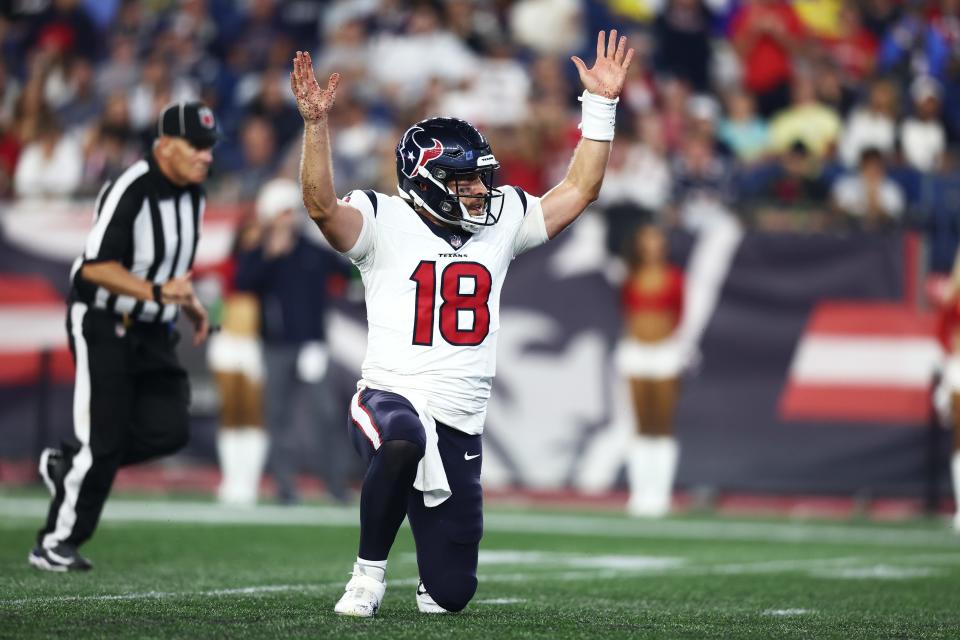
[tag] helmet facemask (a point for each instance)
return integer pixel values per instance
(454, 204)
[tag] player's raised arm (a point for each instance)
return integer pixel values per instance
(339, 222)
(602, 83)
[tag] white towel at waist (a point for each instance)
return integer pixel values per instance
(431, 477)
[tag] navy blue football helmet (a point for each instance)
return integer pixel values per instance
(434, 152)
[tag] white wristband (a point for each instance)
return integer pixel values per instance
(599, 116)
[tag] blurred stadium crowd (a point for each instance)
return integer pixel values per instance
(804, 115)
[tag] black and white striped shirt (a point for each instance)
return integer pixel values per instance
(150, 226)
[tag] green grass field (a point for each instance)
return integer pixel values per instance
(189, 569)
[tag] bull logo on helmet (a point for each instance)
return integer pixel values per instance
(415, 154)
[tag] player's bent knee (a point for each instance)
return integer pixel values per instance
(453, 591)
(400, 454)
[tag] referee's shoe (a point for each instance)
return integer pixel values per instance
(63, 557)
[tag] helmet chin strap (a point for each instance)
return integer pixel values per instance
(420, 202)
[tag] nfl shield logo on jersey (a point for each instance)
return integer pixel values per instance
(456, 241)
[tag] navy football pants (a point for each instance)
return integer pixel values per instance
(447, 536)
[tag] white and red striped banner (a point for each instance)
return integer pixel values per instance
(863, 362)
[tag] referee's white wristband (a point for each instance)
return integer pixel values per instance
(599, 116)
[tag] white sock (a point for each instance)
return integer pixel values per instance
(652, 465)
(376, 569)
(666, 470)
(640, 471)
(228, 443)
(251, 462)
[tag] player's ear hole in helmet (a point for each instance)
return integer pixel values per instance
(446, 166)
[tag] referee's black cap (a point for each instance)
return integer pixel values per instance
(192, 121)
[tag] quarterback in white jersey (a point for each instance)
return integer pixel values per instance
(433, 260)
(433, 300)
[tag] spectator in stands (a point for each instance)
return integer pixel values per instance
(272, 105)
(703, 185)
(259, 27)
(403, 64)
(110, 146)
(647, 157)
(853, 48)
(831, 88)
(626, 201)
(807, 120)
(922, 136)
(871, 125)
(83, 103)
(135, 21)
(251, 164)
(475, 24)
(639, 91)
(65, 24)
(356, 142)
(651, 359)
(290, 274)
(880, 15)
(868, 199)
(945, 18)
(548, 27)
(155, 89)
(674, 101)
(346, 33)
(767, 34)
(682, 33)
(518, 152)
(746, 134)
(703, 113)
(913, 46)
(50, 166)
(792, 194)
(120, 70)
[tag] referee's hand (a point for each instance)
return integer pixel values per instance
(201, 323)
(178, 290)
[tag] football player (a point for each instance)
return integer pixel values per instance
(433, 260)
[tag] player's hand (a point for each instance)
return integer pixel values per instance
(609, 72)
(201, 322)
(178, 290)
(314, 103)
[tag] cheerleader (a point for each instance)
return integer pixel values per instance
(651, 358)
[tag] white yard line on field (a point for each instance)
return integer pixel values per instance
(815, 567)
(501, 601)
(566, 524)
(788, 612)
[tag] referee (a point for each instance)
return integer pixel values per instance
(131, 393)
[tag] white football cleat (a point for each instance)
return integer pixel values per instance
(425, 603)
(362, 596)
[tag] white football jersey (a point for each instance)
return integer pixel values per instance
(433, 300)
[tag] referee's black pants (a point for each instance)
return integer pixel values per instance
(129, 405)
